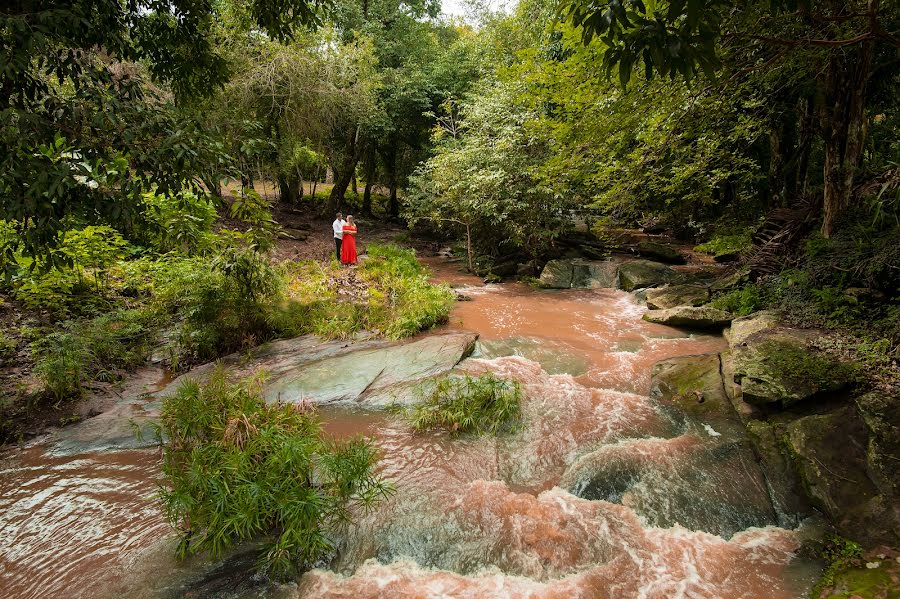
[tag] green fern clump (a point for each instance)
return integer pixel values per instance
(237, 468)
(467, 404)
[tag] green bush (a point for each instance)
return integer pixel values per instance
(237, 468)
(181, 222)
(725, 244)
(742, 301)
(461, 404)
(95, 349)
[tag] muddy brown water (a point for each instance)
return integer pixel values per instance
(472, 517)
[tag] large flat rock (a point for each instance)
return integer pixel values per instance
(372, 377)
(580, 274)
(690, 317)
(637, 274)
(779, 366)
(673, 296)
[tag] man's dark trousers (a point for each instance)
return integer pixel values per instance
(337, 247)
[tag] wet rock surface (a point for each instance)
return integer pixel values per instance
(638, 274)
(778, 365)
(694, 386)
(579, 274)
(372, 377)
(673, 296)
(821, 444)
(690, 317)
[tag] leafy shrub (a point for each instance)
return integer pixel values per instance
(95, 349)
(238, 468)
(725, 244)
(180, 222)
(742, 301)
(222, 303)
(483, 404)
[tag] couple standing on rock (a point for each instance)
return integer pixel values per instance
(344, 238)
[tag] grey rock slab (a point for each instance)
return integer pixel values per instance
(694, 387)
(673, 296)
(701, 317)
(637, 274)
(579, 274)
(745, 326)
(372, 377)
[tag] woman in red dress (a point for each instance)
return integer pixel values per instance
(348, 245)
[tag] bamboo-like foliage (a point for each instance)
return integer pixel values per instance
(467, 404)
(237, 468)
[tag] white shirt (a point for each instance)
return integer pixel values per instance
(338, 226)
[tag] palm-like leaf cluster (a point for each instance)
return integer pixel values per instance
(237, 468)
(460, 404)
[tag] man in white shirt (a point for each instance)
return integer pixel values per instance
(338, 227)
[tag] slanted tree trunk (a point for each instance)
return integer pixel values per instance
(343, 172)
(844, 127)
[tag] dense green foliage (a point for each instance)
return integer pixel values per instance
(239, 469)
(467, 404)
(83, 132)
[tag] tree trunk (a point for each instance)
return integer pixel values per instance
(844, 127)
(370, 181)
(469, 248)
(777, 191)
(353, 184)
(393, 205)
(343, 172)
(804, 147)
(288, 189)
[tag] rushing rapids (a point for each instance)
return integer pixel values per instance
(603, 492)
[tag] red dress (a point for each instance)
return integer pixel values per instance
(348, 245)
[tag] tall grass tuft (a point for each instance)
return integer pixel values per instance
(237, 468)
(467, 404)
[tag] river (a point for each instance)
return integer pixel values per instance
(603, 493)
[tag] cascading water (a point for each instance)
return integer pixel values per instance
(603, 492)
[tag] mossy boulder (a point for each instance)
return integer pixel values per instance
(731, 281)
(637, 274)
(779, 366)
(660, 252)
(672, 296)
(741, 328)
(693, 386)
(880, 414)
(781, 473)
(690, 317)
(579, 274)
(557, 274)
(830, 453)
(873, 579)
